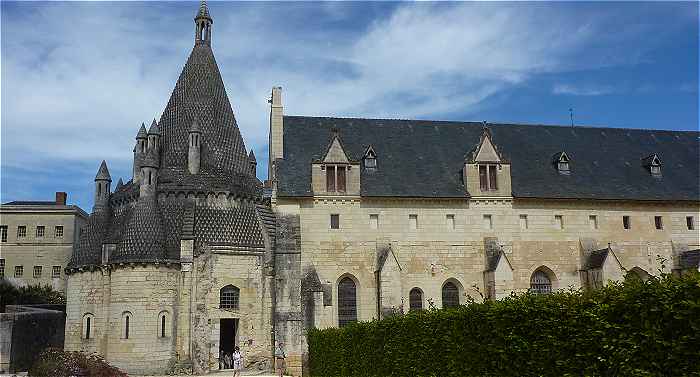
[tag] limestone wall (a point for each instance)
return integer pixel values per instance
(436, 251)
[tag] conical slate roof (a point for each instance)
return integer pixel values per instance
(154, 130)
(203, 11)
(200, 94)
(103, 173)
(142, 132)
(251, 156)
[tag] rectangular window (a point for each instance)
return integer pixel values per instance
(593, 222)
(58, 231)
(40, 231)
(19, 271)
(488, 222)
(487, 177)
(413, 222)
(450, 219)
(559, 221)
(335, 221)
(340, 178)
(483, 180)
(523, 221)
(330, 178)
(374, 221)
(21, 231)
(56, 272)
(626, 222)
(37, 272)
(3, 233)
(658, 222)
(492, 178)
(2, 268)
(690, 222)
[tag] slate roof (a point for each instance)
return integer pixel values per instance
(418, 158)
(144, 229)
(103, 172)
(31, 203)
(597, 259)
(690, 259)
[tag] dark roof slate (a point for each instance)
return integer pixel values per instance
(690, 259)
(597, 259)
(30, 203)
(418, 158)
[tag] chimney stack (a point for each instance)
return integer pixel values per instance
(61, 198)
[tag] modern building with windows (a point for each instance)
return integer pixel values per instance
(37, 239)
(361, 219)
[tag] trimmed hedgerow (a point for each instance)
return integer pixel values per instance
(633, 328)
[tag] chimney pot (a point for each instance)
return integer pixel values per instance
(61, 198)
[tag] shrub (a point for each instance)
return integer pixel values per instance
(32, 294)
(634, 328)
(58, 363)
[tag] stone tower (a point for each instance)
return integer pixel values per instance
(176, 265)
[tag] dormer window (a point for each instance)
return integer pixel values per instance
(562, 163)
(653, 163)
(335, 178)
(487, 177)
(370, 159)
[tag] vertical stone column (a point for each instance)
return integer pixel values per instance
(184, 309)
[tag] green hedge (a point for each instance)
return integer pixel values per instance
(628, 329)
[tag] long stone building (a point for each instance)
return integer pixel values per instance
(360, 219)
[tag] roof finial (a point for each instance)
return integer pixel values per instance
(203, 23)
(571, 115)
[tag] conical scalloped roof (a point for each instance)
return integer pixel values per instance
(103, 172)
(203, 11)
(200, 94)
(142, 134)
(154, 130)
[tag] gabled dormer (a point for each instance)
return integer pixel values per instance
(369, 159)
(486, 170)
(335, 173)
(562, 163)
(653, 164)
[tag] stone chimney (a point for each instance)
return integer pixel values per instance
(276, 129)
(61, 198)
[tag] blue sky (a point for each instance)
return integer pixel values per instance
(78, 78)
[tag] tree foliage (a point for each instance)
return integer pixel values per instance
(634, 328)
(54, 362)
(32, 294)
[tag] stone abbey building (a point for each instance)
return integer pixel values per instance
(362, 218)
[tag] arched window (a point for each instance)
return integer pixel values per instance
(228, 297)
(415, 299)
(163, 327)
(88, 323)
(347, 301)
(126, 318)
(450, 295)
(540, 283)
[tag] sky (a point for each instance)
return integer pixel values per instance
(79, 78)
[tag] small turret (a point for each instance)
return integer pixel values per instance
(139, 152)
(102, 189)
(253, 163)
(195, 148)
(203, 22)
(120, 185)
(154, 137)
(149, 175)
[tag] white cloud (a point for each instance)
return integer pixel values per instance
(78, 78)
(584, 90)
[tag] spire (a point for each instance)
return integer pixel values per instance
(154, 130)
(251, 156)
(203, 23)
(103, 173)
(203, 11)
(142, 132)
(120, 184)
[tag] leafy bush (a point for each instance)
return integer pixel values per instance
(58, 363)
(634, 328)
(32, 294)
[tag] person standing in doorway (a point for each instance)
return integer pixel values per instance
(279, 359)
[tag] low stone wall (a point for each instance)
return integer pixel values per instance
(26, 330)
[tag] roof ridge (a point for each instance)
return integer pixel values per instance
(481, 123)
